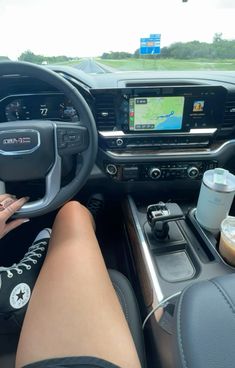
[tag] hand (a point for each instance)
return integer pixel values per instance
(8, 206)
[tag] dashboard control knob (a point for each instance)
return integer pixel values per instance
(111, 169)
(155, 173)
(193, 172)
(119, 142)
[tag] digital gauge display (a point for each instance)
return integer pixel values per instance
(16, 111)
(40, 106)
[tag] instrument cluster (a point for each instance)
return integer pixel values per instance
(40, 106)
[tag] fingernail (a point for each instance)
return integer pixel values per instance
(26, 220)
(26, 198)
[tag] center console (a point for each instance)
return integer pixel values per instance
(169, 258)
(185, 254)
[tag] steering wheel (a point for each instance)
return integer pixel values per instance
(34, 149)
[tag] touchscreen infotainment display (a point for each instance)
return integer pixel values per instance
(156, 113)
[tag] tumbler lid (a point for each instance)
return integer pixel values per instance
(219, 180)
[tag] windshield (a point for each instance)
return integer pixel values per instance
(108, 36)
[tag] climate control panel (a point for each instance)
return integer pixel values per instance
(159, 171)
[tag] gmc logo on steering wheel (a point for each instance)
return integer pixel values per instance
(19, 140)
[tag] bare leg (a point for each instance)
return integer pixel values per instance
(74, 310)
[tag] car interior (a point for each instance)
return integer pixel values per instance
(66, 134)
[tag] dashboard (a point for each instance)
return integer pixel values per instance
(152, 127)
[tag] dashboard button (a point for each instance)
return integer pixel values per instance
(111, 169)
(119, 142)
(155, 173)
(193, 172)
(131, 172)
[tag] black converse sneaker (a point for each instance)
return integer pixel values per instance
(17, 282)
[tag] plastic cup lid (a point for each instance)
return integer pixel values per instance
(228, 228)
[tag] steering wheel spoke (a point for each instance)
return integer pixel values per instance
(71, 139)
(52, 182)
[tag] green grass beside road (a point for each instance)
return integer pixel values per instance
(169, 64)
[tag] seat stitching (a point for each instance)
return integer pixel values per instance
(224, 295)
(180, 334)
(124, 299)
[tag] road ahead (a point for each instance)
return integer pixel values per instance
(90, 66)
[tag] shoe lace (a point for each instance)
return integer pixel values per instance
(28, 257)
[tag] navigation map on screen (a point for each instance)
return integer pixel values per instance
(156, 113)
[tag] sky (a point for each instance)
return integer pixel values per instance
(89, 28)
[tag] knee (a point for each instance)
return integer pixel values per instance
(73, 208)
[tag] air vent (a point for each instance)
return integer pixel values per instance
(105, 112)
(161, 83)
(228, 126)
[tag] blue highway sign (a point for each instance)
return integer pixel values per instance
(151, 45)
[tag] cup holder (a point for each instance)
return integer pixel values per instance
(208, 240)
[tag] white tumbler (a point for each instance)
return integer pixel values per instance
(215, 198)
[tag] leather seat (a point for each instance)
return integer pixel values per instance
(130, 308)
(205, 325)
(126, 296)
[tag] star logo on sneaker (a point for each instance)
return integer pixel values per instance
(20, 296)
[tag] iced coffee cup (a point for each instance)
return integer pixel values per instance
(227, 240)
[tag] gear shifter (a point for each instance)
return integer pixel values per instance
(160, 214)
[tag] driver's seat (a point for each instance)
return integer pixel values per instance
(126, 296)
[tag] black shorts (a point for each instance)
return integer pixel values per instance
(72, 362)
